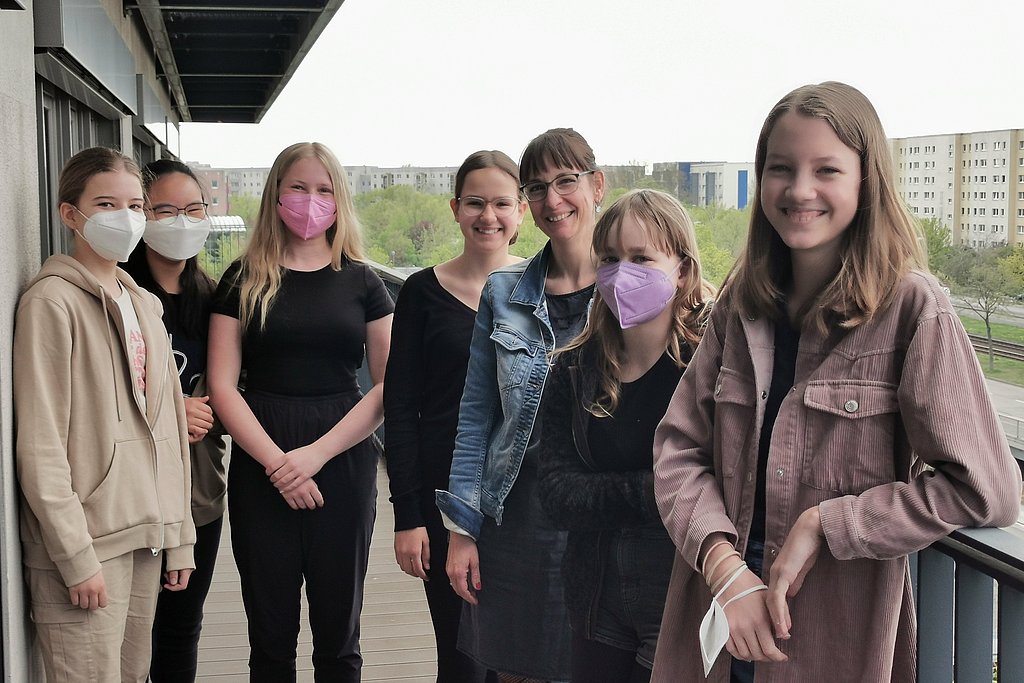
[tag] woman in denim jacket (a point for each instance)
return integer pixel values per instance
(517, 625)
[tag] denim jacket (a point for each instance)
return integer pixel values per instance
(508, 365)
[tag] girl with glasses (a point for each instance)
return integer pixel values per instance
(606, 393)
(820, 434)
(423, 385)
(102, 444)
(297, 312)
(504, 555)
(165, 262)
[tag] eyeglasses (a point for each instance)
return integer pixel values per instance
(563, 184)
(474, 206)
(166, 213)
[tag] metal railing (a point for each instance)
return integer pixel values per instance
(970, 598)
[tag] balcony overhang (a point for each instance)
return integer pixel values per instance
(227, 61)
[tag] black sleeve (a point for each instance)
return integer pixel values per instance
(226, 300)
(378, 301)
(573, 495)
(403, 387)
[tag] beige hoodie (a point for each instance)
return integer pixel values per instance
(99, 475)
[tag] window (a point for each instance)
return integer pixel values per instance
(1020, 229)
(216, 201)
(214, 184)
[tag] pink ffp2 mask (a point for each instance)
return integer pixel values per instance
(635, 293)
(306, 215)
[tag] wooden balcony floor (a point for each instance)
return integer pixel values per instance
(397, 637)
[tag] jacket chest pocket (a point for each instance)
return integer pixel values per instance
(514, 356)
(849, 435)
(734, 417)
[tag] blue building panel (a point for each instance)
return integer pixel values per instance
(741, 189)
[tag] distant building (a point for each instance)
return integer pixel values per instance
(623, 176)
(972, 182)
(427, 179)
(708, 183)
(224, 183)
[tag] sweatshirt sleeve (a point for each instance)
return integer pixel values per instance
(951, 424)
(182, 556)
(573, 495)
(43, 351)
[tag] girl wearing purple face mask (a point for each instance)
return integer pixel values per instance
(605, 395)
(297, 312)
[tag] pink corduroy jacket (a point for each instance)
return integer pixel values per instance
(888, 429)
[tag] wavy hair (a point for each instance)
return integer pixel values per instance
(670, 229)
(876, 250)
(259, 277)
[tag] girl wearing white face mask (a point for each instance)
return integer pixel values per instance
(165, 263)
(605, 394)
(102, 447)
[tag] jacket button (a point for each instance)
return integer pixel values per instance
(851, 406)
(780, 472)
(764, 395)
(718, 390)
(773, 552)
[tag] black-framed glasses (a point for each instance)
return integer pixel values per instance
(563, 184)
(474, 206)
(166, 213)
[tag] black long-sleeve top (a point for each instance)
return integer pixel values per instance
(423, 386)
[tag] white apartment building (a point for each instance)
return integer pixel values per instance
(428, 179)
(721, 183)
(972, 182)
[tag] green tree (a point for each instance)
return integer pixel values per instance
(980, 279)
(937, 243)
(245, 206)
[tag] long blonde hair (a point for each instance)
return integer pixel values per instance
(876, 250)
(259, 277)
(670, 230)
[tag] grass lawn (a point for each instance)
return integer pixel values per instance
(1010, 333)
(1006, 370)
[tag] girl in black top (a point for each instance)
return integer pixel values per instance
(605, 395)
(296, 312)
(423, 385)
(165, 263)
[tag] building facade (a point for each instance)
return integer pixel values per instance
(708, 183)
(972, 182)
(80, 73)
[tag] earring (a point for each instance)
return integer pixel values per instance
(597, 208)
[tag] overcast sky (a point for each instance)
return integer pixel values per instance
(393, 82)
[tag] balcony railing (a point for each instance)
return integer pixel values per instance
(970, 601)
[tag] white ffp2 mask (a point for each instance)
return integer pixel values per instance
(714, 627)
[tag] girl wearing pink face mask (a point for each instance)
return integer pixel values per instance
(297, 312)
(605, 395)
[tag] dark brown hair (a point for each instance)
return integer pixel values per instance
(486, 159)
(558, 147)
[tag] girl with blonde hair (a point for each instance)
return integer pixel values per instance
(605, 394)
(297, 312)
(818, 438)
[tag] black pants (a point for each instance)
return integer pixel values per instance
(277, 548)
(594, 662)
(179, 614)
(445, 612)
